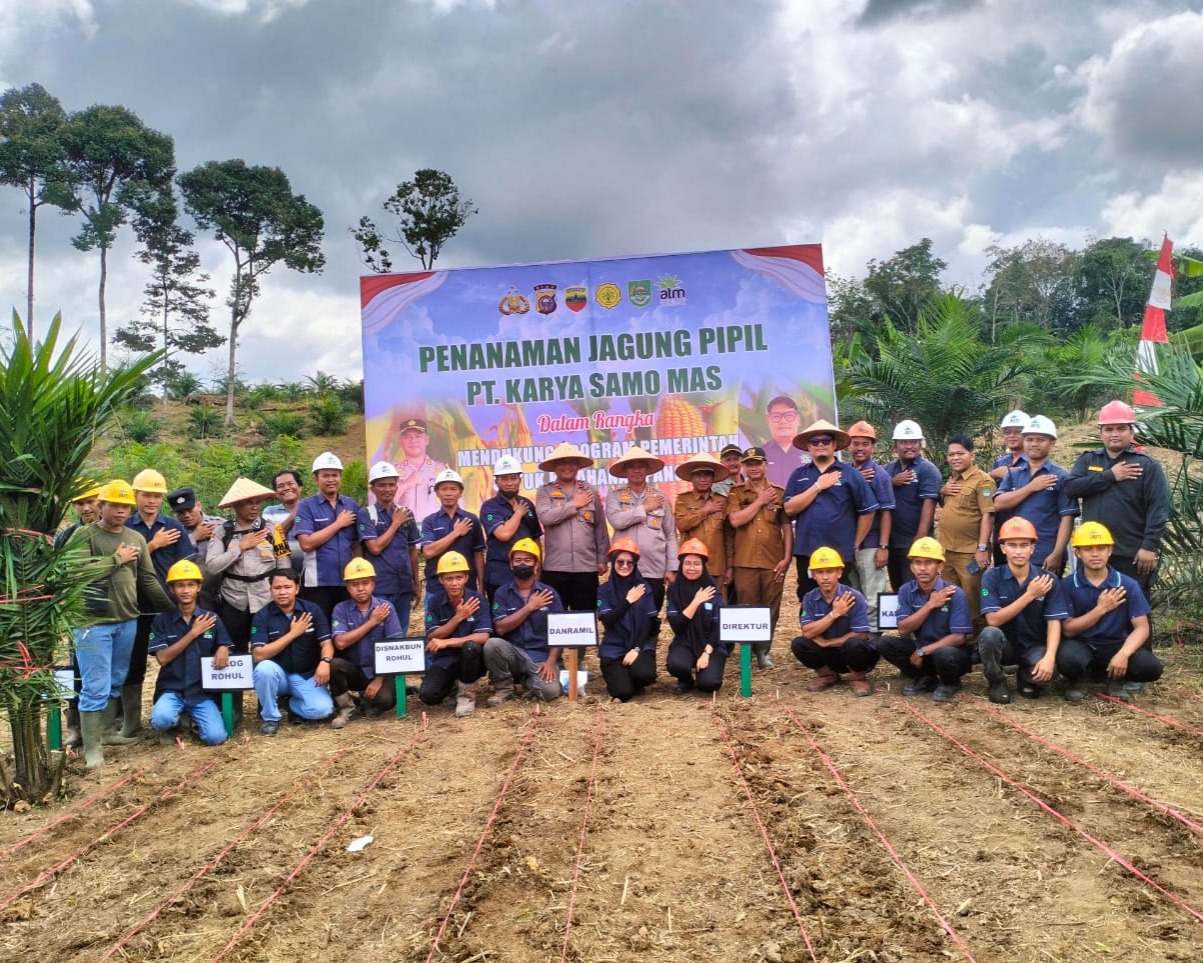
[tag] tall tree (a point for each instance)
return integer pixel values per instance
(175, 311)
(118, 164)
(429, 213)
(904, 284)
(1034, 282)
(1113, 282)
(32, 159)
(254, 213)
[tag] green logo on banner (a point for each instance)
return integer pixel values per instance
(639, 293)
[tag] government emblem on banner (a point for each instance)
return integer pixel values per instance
(608, 296)
(545, 298)
(639, 293)
(576, 298)
(513, 303)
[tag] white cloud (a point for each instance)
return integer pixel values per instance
(1175, 207)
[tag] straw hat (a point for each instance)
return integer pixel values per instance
(702, 460)
(244, 490)
(822, 427)
(618, 467)
(565, 451)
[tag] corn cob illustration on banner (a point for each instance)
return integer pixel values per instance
(676, 353)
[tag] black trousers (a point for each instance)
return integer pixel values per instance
(682, 662)
(899, 566)
(625, 681)
(438, 681)
(855, 655)
(1076, 658)
(577, 590)
(947, 663)
(237, 623)
(346, 676)
(141, 651)
(805, 582)
(325, 597)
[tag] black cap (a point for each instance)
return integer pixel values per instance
(755, 453)
(417, 424)
(182, 499)
(731, 450)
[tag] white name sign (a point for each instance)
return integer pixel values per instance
(745, 623)
(887, 611)
(571, 630)
(64, 681)
(399, 656)
(236, 675)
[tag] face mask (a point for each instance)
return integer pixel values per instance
(523, 571)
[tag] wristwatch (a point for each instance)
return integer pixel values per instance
(326, 659)
(922, 654)
(982, 548)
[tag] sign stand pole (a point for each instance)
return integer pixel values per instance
(227, 712)
(54, 727)
(399, 687)
(573, 655)
(745, 670)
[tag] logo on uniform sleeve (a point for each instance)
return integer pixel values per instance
(987, 490)
(985, 592)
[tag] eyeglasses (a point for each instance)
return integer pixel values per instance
(820, 439)
(782, 417)
(624, 563)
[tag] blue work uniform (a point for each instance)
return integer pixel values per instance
(437, 526)
(1001, 588)
(531, 635)
(909, 499)
(291, 671)
(494, 513)
(348, 617)
(831, 518)
(883, 493)
(439, 611)
(180, 683)
(1043, 509)
(324, 566)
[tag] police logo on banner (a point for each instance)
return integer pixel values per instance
(545, 298)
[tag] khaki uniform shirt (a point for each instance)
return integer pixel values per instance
(654, 531)
(693, 521)
(960, 527)
(761, 542)
(255, 564)
(573, 540)
(415, 487)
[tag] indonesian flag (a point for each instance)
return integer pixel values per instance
(1152, 331)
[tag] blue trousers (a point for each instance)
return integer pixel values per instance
(305, 698)
(103, 652)
(204, 712)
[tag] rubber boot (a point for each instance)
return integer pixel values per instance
(763, 659)
(72, 738)
(91, 727)
(131, 697)
(108, 735)
(346, 708)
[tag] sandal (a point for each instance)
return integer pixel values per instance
(822, 682)
(860, 687)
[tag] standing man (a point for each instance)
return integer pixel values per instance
(916, 484)
(325, 529)
(783, 457)
(87, 510)
(390, 536)
(867, 573)
(1012, 426)
(576, 540)
(763, 543)
(702, 514)
(1037, 492)
(417, 473)
(167, 541)
(1122, 486)
(732, 459)
(190, 513)
(966, 522)
(292, 652)
(287, 484)
(102, 650)
(829, 500)
(507, 518)
(641, 513)
(451, 529)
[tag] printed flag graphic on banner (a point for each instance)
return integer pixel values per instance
(1153, 331)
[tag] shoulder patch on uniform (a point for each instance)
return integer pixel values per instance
(986, 489)
(1094, 468)
(985, 591)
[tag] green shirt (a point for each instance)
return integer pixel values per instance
(114, 596)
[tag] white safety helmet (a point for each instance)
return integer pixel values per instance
(327, 459)
(448, 475)
(383, 469)
(1015, 419)
(907, 431)
(507, 465)
(1040, 425)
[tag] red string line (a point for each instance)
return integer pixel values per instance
(580, 846)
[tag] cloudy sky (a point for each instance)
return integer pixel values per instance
(587, 130)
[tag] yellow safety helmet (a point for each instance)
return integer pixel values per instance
(528, 545)
(185, 571)
(825, 558)
(117, 492)
(926, 548)
(149, 480)
(359, 568)
(1092, 533)
(451, 562)
(88, 488)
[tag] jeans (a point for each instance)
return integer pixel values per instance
(103, 652)
(204, 712)
(869, 580)
(305, 698)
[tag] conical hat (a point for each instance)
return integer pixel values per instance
(822, 427)
(565, 451)
(243, 490)
(618, 468)
(703, 459)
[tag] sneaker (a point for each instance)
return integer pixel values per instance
(1118, 690)
(1133, 687)
(924, 683)
(502, 692)
(465, 701)
(269, 728)
(824, 680)
(945, 692)
(1076, 691)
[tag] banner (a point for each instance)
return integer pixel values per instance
(678, 353)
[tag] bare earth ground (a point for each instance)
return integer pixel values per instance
(658, 821)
